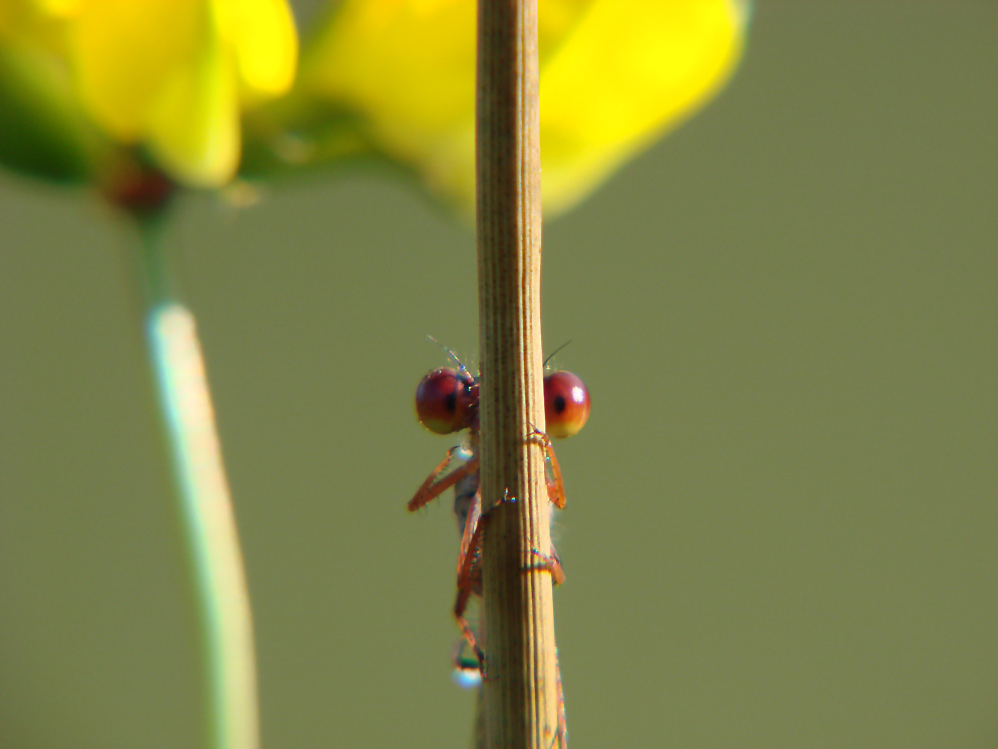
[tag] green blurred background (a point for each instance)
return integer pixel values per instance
(782, 517)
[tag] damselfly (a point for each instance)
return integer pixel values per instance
(447, 402)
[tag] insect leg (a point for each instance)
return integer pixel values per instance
(432, 488)
(556, 488)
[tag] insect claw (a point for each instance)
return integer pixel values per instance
(537, 436)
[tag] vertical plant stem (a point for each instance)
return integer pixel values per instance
(203, 499)
(478, 738)
(520, 689)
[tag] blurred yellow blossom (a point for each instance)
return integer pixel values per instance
(171, 76)
(615, 75)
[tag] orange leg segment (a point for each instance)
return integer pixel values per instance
(469, 576)
(556, 489)
(432, 488)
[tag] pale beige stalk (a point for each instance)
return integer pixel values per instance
(521, 690)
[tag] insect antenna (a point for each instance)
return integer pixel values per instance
(450, 353)
(552, 354)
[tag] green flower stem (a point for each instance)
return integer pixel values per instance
(203, 498)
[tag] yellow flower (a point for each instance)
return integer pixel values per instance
(172, 76)
(615, 75)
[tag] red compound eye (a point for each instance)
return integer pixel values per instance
(447, 400)
(566, 404)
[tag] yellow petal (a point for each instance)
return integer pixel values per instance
(127, 51)
(628, 71)
(614, 74)
(409, 67)
(262, 35)
(62, 8)
(194, 130)
(36, 23)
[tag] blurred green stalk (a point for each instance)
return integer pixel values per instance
(203, 498)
